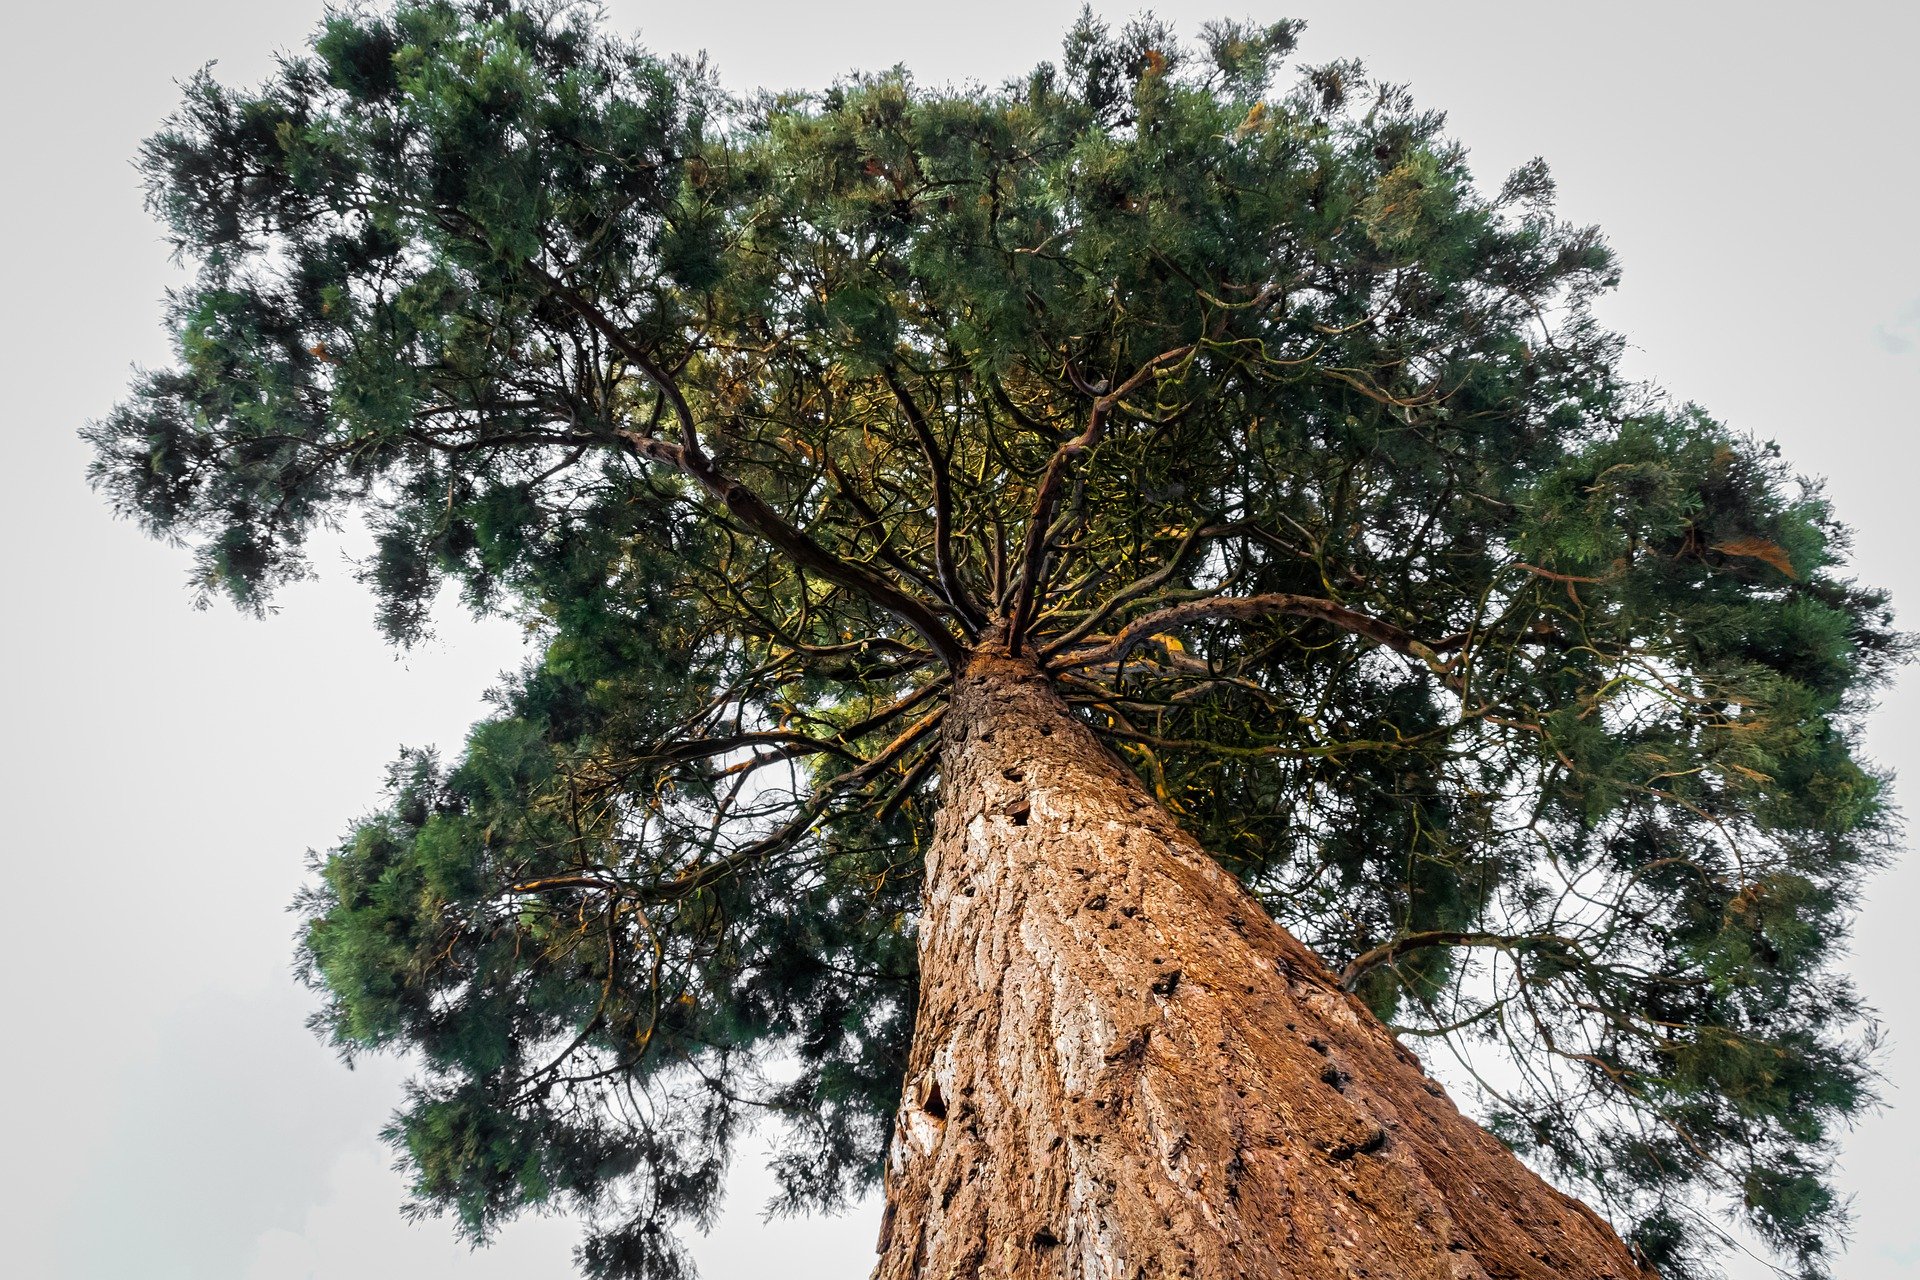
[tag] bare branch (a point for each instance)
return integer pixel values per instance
(952, 588)
(1243, 608)
(1033, 556)
(1388, 952)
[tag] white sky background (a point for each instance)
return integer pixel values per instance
(163, 1112)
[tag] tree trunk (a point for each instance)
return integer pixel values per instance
(1123, 1068)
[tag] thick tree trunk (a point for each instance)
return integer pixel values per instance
(1123, 1068)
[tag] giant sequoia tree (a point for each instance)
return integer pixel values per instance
(997, 553)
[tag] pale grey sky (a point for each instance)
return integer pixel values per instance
(164, 1114)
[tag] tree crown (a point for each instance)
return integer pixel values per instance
(1525, 696)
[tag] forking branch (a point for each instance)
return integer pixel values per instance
(1033, 554)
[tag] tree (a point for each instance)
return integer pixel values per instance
(997, 553)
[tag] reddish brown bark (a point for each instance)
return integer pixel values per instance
(1123, 1068)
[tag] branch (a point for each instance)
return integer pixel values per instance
(642, 359)
(1132, 591)
(1388, 952)
(866, 512)
(752, 511)
(743, 503)
(1244, 608)
(913, 778)
(1033, 555)
(951, 586)
(698, 877)
(792, 744)
(693, 879)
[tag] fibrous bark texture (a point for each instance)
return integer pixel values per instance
(1123, 1068)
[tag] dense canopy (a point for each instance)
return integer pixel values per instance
(1524, 695)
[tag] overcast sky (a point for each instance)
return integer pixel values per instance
(163, 1112)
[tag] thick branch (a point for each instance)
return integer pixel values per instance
(1132, 591)
(642, 359)
(752, 511)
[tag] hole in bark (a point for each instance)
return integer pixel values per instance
(1046, 731)
(1098, 902)
(1045, 1239)
(1020, 813)
(1133, 1051)
(1348, 1150)
(1335, 1076)
(935, 1105)
(1014, 775)
(1164, 985)
(1317, 1045)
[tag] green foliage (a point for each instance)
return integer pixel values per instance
(1525, 695)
